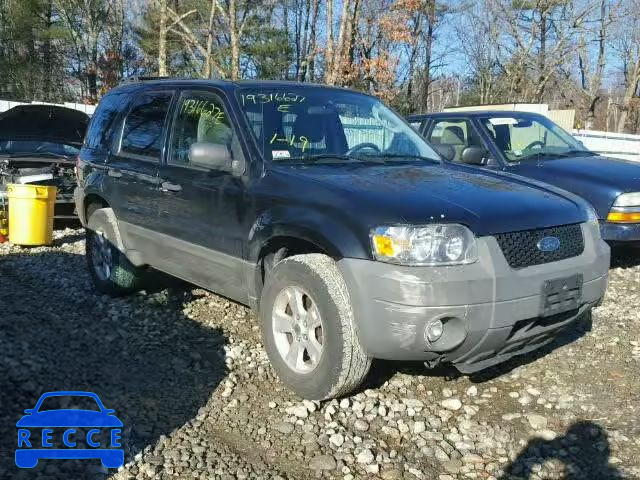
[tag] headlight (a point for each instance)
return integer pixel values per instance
(446, 244)
(628, 200)
(626, 209)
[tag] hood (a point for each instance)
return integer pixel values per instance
(69, 418)
(486, 202)
(597, 179)
(46, 123)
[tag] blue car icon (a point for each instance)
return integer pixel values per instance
(97, 420)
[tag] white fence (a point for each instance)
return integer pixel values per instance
(88, 109)
(618, 145)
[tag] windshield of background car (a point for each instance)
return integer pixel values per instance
(69, 402)
(24, 147)
(531, 138)
(305, 124)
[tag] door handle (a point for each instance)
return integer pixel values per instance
(114, 173)
(170, 187)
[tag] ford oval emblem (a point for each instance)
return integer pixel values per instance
(548, 244)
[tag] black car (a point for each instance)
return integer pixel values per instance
(325, 211)
(531, 145)
(39, 145)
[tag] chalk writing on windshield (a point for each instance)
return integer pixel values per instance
(202, 108)
(273, 97)
(291, 141)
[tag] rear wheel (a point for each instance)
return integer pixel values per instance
(111, 271)
(308, 328)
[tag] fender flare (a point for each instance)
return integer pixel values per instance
(331, 234)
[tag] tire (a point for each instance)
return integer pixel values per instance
(342, 363)
(103, 243)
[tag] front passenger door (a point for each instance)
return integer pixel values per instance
(201, 209)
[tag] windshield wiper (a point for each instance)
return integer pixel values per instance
(573, 152)
(378, 158)
(405, 156)
(38, 155)
(321, 156)
(565, 154)
(332, 156)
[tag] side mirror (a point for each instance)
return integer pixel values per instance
(211, 155)
(109, 411)
(474, 156)
(447, 151)
(29, 411)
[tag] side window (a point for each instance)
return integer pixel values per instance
(143, 128)
(417, 125)
(103, 122)
(456, 133)
(200, 117)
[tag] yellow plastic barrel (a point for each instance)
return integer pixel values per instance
(31, 214)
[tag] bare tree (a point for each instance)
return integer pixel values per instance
(193, 42)
(591, 76)
(540, 39)
(310, 46)
(86, 21)
(336, 55)
(479, 38)
(627, 48)
(162, 39)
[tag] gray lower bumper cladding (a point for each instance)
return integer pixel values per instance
(489, 310)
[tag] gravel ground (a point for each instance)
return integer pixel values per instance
(186, 373)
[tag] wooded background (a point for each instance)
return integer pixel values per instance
(418, 55)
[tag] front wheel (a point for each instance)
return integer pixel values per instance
(308, 328)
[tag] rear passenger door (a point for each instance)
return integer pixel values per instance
(202, 210)
(133, 166)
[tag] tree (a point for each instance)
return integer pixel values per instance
(479, 37)
(162, 39)
(86, 24)
(540, 38)
(335, 56)
(32, 63)
(591, 76)
(627, 49)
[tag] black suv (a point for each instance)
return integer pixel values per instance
(326, 212)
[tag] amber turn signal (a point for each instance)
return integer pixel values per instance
(624, 217)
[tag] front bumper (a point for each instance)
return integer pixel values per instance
(496, 307)
(620, 232)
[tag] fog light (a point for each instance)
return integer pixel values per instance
(434, 330)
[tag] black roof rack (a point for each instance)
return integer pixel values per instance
(135, 78)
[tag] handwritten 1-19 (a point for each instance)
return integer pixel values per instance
(291, 140)
(278, 97)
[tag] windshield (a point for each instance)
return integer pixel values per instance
(531, 138)
(324, 124)
(25, 147)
